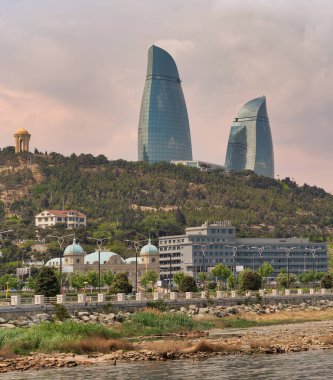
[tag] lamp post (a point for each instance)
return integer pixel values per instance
(234, 254)
(60, 240)
(99, 243)
(287, 251)
(136, 244)
(260, 252)
(203, 248)
(313, 253)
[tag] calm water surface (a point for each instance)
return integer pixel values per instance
(305, 365)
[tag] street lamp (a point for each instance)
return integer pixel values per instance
(136, 244)
(234, 254)
(287, 251)
(60, 240)
(99, 243)
(313, 253)
(203, 248)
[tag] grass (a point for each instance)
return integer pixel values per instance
(155, 322)
(71, 336)
(49, 337)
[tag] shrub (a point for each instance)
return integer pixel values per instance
(188, 284)
(120, 284)
(249, 280)
(47, 283)
(326, 281)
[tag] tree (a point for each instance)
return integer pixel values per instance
(265, 270)
(120, 284)
(326, 281)
(10, 280)
(76, 280)
(178, 277)
(92, 278)
(108, 277)
(231, 282)
(188, 284)
(47, 283)
(221, 272)
(150, 277)
(249, 280)
(282, 279)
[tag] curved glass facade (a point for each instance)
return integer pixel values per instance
(250, 143)
(164, 131)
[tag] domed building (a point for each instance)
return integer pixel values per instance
(76, 260)
(22, 139)
(149, 254)
(74, 254)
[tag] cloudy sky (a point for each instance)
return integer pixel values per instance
(73, 72)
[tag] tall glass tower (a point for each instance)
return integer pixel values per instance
(250, 143)
(164, 131)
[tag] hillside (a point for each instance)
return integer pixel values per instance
(159, 199)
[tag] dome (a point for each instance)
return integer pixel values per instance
(149, 249)
(74, 249)
(131, 260)
(92, 258)
(22, 131)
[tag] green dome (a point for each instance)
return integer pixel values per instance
(149, 249)
(74, 249)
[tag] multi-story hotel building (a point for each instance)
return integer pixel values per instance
(201, 248)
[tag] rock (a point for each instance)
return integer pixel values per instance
(7, 325)
(111, 317)
(85, 318)
(183, 309)
(193, 307)
(43, 317)
(203, 310)
(2, 320)
(82, 314)
(93, 318)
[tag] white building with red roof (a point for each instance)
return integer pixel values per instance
(71, 218)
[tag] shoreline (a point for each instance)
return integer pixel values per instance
(271, 339)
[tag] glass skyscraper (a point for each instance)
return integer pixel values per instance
(164, 131)
(250, 143)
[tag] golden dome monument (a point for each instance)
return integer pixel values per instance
(22, 138)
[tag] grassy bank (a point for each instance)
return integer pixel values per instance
(70, 336)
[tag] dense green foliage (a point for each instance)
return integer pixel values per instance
(120, 284)
(249, 280)
(188, 284)
(327, 281)
(47, 283)
(117, 192)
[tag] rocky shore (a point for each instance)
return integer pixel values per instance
(111, 319)
(266, 339)
(273, 339)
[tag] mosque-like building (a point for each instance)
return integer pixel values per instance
(76, 260)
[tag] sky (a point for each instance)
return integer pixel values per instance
(73, 73)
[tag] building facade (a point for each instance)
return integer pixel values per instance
(250, 145)
(164, 131)
(76, 260)
(201, 248)
(71, 218)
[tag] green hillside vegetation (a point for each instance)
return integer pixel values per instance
(129, 200)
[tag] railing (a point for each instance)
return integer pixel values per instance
(104, 298)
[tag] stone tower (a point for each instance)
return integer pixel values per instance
(22, 139)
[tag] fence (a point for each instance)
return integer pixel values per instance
(102, 298)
